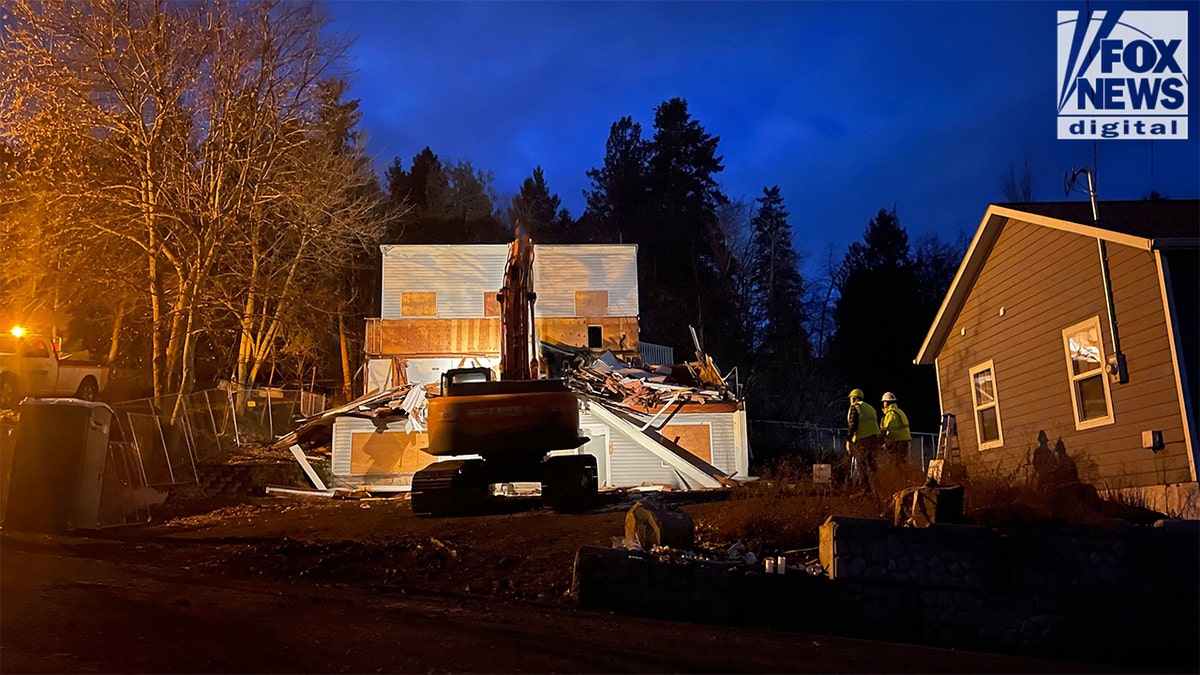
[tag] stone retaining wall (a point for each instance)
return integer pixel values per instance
(248, 480)
(1128, 596)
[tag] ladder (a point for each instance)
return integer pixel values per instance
(947, 465)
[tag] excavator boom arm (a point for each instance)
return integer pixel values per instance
(516, 309)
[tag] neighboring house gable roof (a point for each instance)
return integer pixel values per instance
(1147, 224)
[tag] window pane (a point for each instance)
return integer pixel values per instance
(35, 349)
(989, 430)
(1089, 392)
(1085, 350)
(984, 393)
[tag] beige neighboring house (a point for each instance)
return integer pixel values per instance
(1024, 337)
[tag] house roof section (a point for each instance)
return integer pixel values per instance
(1147, 219)
(1147, 224)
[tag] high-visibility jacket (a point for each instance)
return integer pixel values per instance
(861, 421)
(895, 424)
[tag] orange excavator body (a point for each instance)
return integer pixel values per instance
(511, 423)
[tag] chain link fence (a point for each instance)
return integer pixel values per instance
(772, 441)
(161, 433)
(174, 433)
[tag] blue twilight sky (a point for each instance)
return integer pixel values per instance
(848, 106)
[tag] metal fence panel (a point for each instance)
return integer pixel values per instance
(819, 445)
(174, 434)
(161, 433)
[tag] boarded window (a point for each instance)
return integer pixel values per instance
(389, 452)
(1090, 396)
(491, 306)
(695, 438)
(418, 304)
(591, 303)
(987, 406)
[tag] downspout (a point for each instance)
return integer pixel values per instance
(1117, 368)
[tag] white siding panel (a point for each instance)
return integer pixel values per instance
(459, 274)
(462, 274)
(342, 428)
(633, 465)
(630, 464)
(559, 271)
(379, 375)
(429, 371)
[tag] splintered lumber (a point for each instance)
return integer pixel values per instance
(654, 524)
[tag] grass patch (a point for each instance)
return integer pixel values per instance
(784, 509)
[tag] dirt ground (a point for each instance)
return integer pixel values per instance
(286, 584)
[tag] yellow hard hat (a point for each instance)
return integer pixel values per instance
(857, 393)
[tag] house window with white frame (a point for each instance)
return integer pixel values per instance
(987, 406)
(1091, 399)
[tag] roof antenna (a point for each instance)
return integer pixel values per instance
(1069, 180)
(1117, 369)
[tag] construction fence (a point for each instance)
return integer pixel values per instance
(811, 444)
(173, 434)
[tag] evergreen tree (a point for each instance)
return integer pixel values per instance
(776, 287)
(882, 318)
(663, 196)
(785, 382)
(540, 211)
(682, 242)
(617, 205)
(443, 202)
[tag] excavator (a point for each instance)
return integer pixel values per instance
(511, 425)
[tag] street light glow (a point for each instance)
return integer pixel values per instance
(18, 331)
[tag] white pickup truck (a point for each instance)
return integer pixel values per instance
(30, 366)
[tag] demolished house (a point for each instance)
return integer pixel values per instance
(671, 426)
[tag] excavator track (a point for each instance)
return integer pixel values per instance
(449, 488)
(569, 482)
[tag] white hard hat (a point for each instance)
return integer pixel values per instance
(889, 397)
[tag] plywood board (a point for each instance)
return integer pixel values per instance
(574, 331)
(491, 306)
(695, 438)
(478, 337)
(418, 304)
(438, 337)
(388, 452)
(591, 303)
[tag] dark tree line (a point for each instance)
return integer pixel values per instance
(234, 232)
(728, 269)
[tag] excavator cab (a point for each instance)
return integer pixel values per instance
(457, 376)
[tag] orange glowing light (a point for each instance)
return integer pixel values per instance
(18, 331)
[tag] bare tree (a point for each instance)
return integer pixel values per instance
(328, 207)
(1018, 188)
(191, 109)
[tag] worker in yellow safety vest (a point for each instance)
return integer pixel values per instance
(862, 424)
(896, 434)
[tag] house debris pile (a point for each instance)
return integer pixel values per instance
(647, 388)
(661, 533)
(633, 403)
(405, 403)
